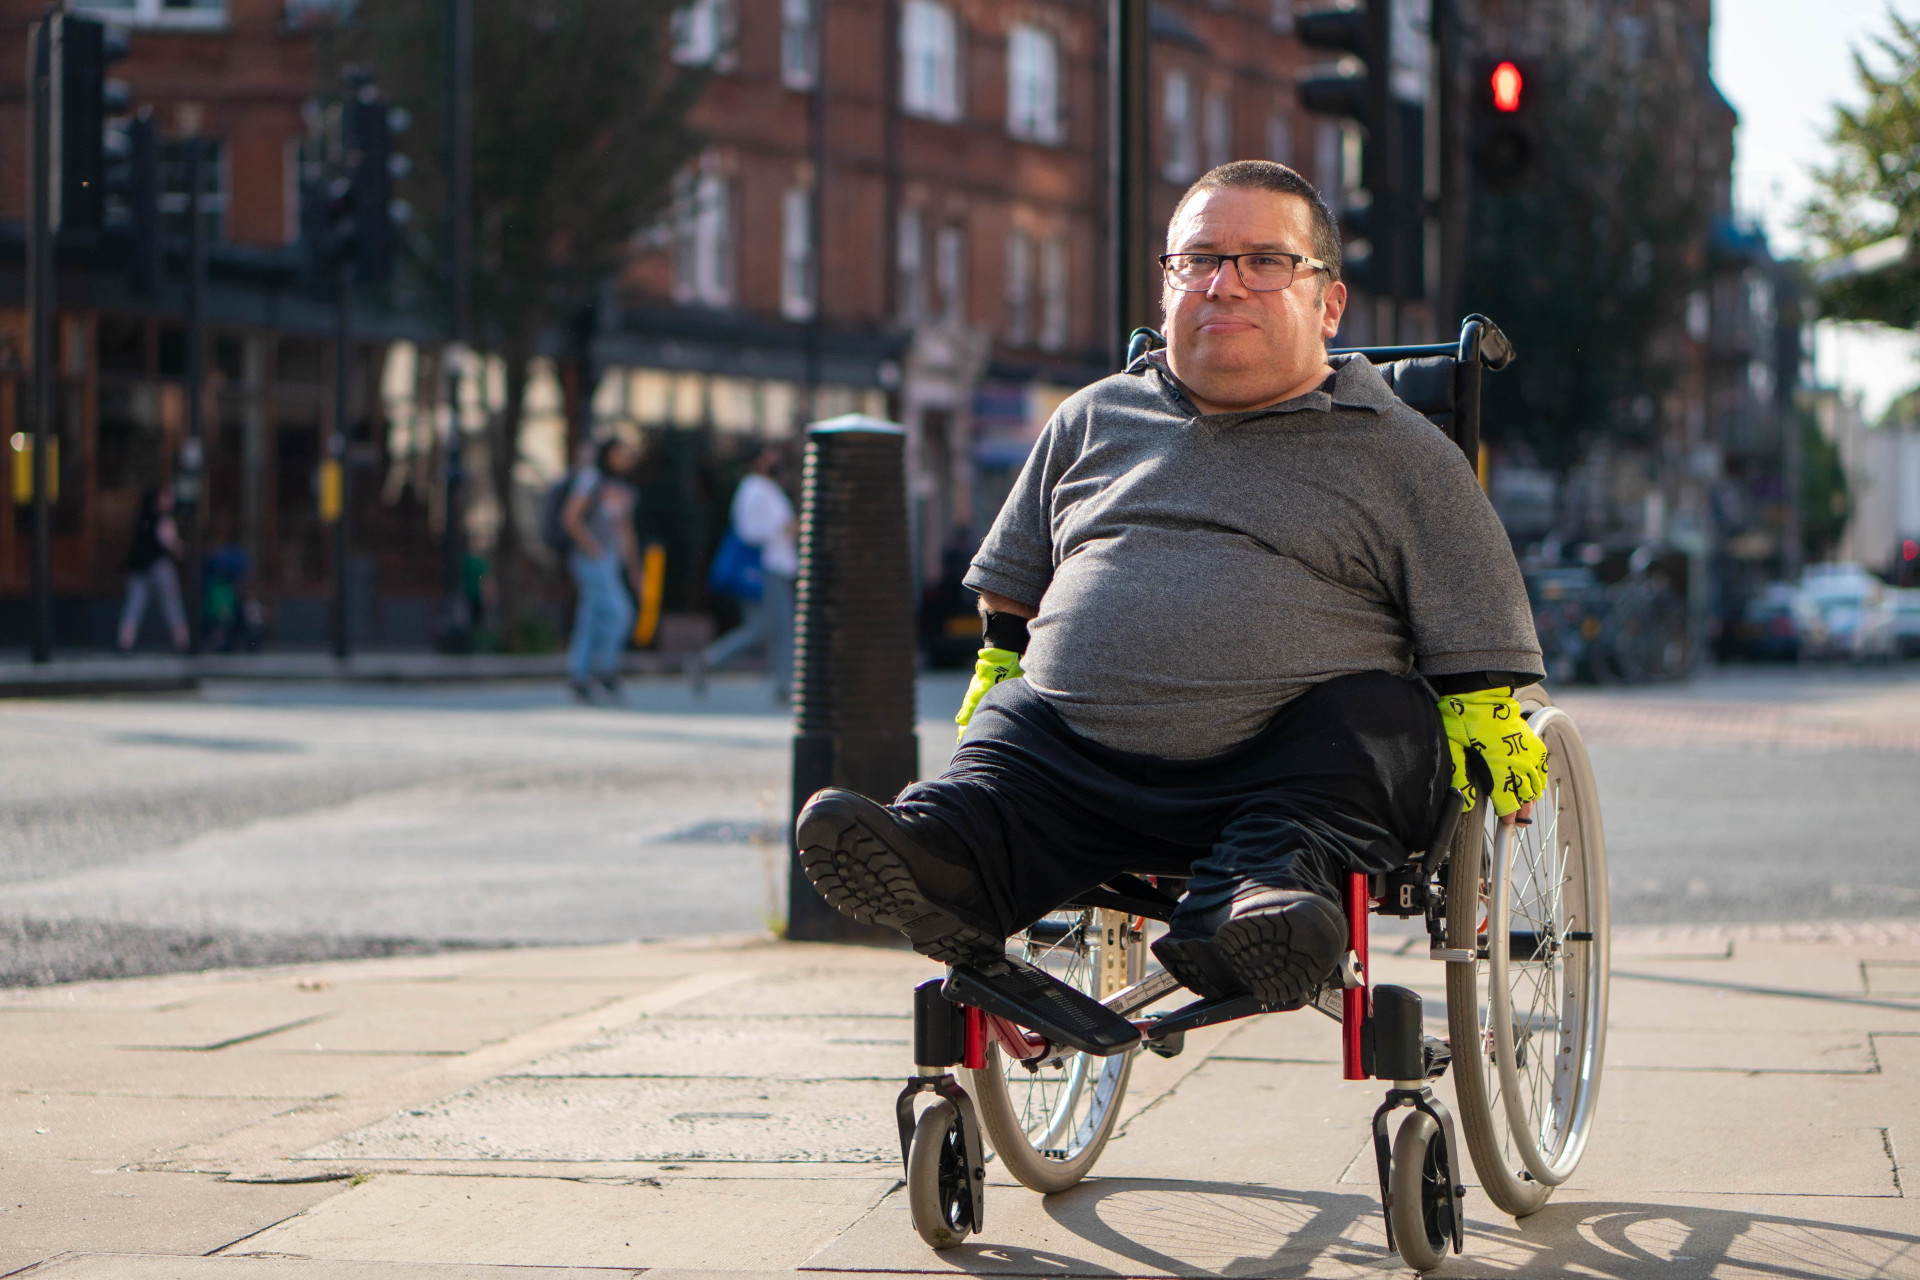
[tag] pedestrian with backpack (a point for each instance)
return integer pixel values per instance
(757, 564)
(596, 519)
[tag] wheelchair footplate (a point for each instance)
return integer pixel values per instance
(1030, 997)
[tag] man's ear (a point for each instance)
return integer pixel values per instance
(1333, 305)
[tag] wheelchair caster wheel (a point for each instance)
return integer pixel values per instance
(1417, 1202)
(939, 1191)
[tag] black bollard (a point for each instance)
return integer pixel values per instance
(853, 645)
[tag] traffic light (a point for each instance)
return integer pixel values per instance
(1384, 219)
(347, 209)
(133, 196)
(1355, 87)
(83, 100)
(1504, 143)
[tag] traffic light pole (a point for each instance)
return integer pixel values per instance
(40, 296)
(339, 448)
(460, 622)
(193, 456)
(1132, 245)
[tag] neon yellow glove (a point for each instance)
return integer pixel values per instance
(992, 666)
(1489, 722)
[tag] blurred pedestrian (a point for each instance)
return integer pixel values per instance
(599, 522)
(762, 518)
(153, 569)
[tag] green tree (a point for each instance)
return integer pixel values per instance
(1825, 502)
(1587, 264)
(579, 128)
(1870, 190)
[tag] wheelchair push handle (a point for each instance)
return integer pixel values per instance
(1481, 342)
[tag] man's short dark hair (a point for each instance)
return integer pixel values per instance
(1265, 175)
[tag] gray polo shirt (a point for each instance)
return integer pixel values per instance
(1195, 572)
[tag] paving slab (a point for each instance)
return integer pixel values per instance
(47, 1065)
(61, 1126)
(553, 1222)
(127, 1266)
(1291, 1124)
(1681, 1132)
(1892, 977)
(1168, 1227)
(655, 1118)
(51, 1206)
(793, 1047)
(1820, 1052)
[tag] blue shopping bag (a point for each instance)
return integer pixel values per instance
(736, 569)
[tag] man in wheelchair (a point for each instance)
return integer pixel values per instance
(1248, 619)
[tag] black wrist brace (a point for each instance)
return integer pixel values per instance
(1004, 631)
(1474, 682)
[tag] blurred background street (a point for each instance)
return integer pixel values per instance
(349, 296)
(267, 823)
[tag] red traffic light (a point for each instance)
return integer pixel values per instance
(1507, 83)
(1909, 549)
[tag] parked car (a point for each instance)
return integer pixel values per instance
(1779, 625)
(1857, 609)
(1906, 620)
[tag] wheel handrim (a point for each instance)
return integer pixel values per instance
(1062, 1106)
(1546, 1007)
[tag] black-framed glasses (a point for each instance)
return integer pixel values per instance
(1262, 272)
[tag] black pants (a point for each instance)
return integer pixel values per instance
(1347, 776)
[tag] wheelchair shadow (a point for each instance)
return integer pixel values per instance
(1141, 1226)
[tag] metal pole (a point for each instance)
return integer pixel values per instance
(339, 448)
(193, 455)
(1132, 240)
(459, 192)
(817, 208)
(40, 298)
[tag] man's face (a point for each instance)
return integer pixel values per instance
(1233, 347)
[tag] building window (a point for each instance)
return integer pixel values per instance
(304, 14)
(159, 13)
(796, 254)
(1033, 85)
(174, 190)
(1054, 297)
(1019, 330)
(913, 272)
(703, 243)
(930, 60)
(1183, 148)
(950, 272)
(1219, 130)
(703, 32)
(1280, 138)
(797, 52)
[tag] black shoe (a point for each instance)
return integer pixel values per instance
(1281, 943)
(1187, 951)
(872, 869)
(581, 690)
(612, 686)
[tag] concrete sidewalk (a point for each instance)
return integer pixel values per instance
(724, 1105)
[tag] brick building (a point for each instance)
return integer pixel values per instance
(237, 74)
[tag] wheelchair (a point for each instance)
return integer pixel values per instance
(1031, 1055)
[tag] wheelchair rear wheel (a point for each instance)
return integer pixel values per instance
(1048, 1123)
(1528, 1015)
